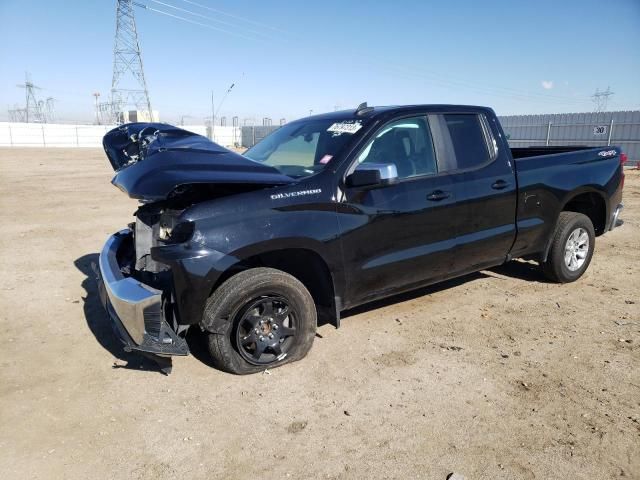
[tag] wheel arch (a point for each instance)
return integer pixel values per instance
(588, 201)
(303, 263)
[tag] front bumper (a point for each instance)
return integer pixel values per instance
(136, 309)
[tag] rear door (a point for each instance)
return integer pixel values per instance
(487, 190)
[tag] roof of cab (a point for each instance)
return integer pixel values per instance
(390, 110)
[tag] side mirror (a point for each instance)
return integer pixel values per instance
(373, 174)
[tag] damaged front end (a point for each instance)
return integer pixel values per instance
(137, 289)
(154, 162)
(144, 268)
(138, 302)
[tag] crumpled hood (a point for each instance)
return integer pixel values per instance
(152, 159)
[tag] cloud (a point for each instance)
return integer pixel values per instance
(547, 84)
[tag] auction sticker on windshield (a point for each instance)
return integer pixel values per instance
(349, 127)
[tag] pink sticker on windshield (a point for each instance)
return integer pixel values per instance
(326, 159)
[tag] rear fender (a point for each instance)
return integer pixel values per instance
(563, 205)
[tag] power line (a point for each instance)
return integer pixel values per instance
(489, 90)
(146, 7)
(196, 14)
(494, 89)
(237, 17)
(512, 91)
(442, 78)
(436, 77)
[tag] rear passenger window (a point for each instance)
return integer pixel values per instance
(468, 140)
(463, 140)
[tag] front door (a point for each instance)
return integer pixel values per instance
(400, 235)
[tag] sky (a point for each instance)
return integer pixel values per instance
(286, 58)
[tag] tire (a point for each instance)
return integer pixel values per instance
(569, 256)
(249, 329)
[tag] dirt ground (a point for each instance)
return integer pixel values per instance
(498, 375)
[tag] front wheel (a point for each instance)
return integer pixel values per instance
(571, 248)
(259, 318)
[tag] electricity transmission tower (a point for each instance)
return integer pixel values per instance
(50, 113)
(128, 85)
(601, 99)
(16, 114)
(33, 110)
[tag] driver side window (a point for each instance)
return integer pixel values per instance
(405, 143)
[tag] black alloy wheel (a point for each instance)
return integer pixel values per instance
(265, 330)
(257, 319)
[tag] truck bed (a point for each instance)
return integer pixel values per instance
(525, 152)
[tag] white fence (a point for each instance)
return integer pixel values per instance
(225, 136)
(13, 134)
(51, 135)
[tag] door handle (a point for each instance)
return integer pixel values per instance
(438, 195)
(499, 185)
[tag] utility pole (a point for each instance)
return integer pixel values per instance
(224, 97)
(97, 96)
(213, 109)
(235, 121)
(127, 59)
(213, 118)
(27, 96)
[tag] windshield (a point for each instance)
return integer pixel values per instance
(303, 148)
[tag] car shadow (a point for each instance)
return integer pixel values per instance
(515, 269)
(412, 295)
(99, 323)
(521, 270)
(197, 341)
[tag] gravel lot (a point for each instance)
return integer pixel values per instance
(498, 375)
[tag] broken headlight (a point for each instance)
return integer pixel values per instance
(178, 234)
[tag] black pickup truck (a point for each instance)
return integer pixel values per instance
(330, 212)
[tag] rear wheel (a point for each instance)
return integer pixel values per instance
(571, 248)
(259, 318)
